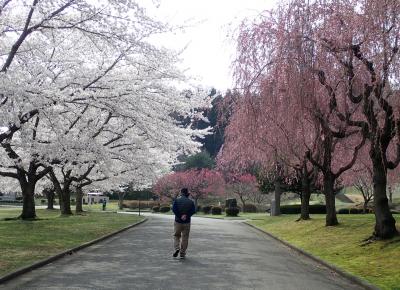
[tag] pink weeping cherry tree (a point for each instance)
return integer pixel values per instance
(289, 110)
(200, 182)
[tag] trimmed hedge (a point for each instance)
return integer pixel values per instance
(165, 208)
(11, 201)
(250, 208)
(207, 209)
(216, 210)
(343, 211)
(353, 210)
(231, 202)
(156, 208)
(133, 204)
(232, 211)
(296, 209)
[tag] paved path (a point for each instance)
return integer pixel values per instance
(221, 255)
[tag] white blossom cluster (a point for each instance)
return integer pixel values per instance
(85, 94)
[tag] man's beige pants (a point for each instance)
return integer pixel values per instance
(181, 237)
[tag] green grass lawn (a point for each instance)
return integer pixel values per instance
(378, 262)
(112, 205)
(25, 242)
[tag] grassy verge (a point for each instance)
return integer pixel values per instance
(112, 205)
(378, 262)
(25, 242)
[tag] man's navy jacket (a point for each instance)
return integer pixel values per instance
(183, 206)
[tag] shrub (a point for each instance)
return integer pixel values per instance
(11, 201)
(296, 209)
(165, 208)
(43, 201)
(130, 204)
(156, 208)
(353, 210)
(232, 211)
(199, 208)
(134, 204)
(343, 211)
(207, 209)
(250, 208)
(231, 202)
(216, 210)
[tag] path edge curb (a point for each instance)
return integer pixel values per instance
(366, 285)
(58, 256)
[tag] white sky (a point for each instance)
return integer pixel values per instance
(210, 48)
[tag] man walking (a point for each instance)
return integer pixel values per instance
(183, 208)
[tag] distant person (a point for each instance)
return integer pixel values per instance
(183, 208)
(104, 203)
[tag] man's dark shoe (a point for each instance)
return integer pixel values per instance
(182, 256)
(175, 253)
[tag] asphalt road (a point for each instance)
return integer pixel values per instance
(221, 255)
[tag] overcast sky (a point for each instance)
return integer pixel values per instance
(210, 48)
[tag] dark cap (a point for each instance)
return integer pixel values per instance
(185, 191)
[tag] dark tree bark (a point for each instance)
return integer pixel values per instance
(381, 126)
(50, 195)
(329, 191)
(308, 178)
(26, 178)
(385, 224)
(329, 177)
(66, 201)
(79, 196)
(243, 202)
(305, 197)
(28, 195)
(27, 181)
(276, 211)
(63, 192)
(50, 199)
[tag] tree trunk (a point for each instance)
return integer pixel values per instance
(79, 196)
(121, 200)
(59, 195)
(305, 198)
(66, 202)
(243, 203)
(331, 218)
(277, 196)
(28, 194)
(50, 199)
(365, 206)
(385, 224)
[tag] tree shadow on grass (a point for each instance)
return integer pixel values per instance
(373, 239)
(18, 218)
